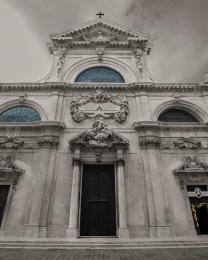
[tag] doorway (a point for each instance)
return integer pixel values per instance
(199, 208)
(98, 202)
(4, 191)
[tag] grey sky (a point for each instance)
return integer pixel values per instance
(178, 28)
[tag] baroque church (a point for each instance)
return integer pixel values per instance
(97, 148)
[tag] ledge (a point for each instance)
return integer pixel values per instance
(31, 125)
(155, 125)
(137, 86)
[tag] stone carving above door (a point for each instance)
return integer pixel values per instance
(119, 102)
(99, 137)
(193, 163)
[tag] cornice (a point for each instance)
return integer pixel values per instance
(34, 125)
(156, 126)
(132, 87)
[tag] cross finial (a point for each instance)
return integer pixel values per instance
(100, 14)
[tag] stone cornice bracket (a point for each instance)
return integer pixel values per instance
(61, 60)
(10, 142)
(100, 52)
(149, 142)
(9, 172)
(50, 142)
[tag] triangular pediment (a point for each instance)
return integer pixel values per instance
(99, 31)
(99, 137)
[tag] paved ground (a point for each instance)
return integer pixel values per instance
(96, 254)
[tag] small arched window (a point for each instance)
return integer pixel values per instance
(177, 115)
(20, 114)
(100, 74)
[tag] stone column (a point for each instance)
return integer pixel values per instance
(72, 231)
(123, 231)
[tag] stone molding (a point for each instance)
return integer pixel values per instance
(48, 141)
(76, 161)
(31, 125)
(123, 87)
(99, 98)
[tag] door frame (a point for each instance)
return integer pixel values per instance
(80, 197)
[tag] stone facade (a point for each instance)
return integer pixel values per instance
(98, 123)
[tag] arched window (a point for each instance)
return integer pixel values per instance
(177, 115)
(100, 74)
(20, 114)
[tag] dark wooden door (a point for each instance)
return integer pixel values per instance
(98, 207)
(4, 190)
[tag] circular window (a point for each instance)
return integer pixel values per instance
(100, 74)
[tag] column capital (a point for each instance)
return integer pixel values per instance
(120, 162)
(76, 161)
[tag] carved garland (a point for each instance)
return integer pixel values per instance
(99, 98)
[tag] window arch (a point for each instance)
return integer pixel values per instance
(100, 74)
(177, 115)
(20, 114)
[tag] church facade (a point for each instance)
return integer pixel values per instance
(98, 149)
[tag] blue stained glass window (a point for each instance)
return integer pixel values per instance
(100, 74)
(19, 114)
(177, 115)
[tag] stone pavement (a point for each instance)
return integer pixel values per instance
(105, 254)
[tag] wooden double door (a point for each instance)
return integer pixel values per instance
(98, 202)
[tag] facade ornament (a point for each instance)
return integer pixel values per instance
(99, 136)
(187, 143)
(10, 142)
(193, 163)
(22, 98)
(48, 142)
(7, 163)
(99, 98)
(60, 61)
(147, 142)
(100, 53)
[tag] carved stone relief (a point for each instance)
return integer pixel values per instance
(193, 163)
(10, 142)
(149, 142)
(48, 141)
(9, 172)
(187, 142)
(99, 98)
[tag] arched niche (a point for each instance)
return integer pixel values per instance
(180, 105)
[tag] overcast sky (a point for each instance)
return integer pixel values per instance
(178, 29)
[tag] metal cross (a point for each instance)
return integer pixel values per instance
(100, 14)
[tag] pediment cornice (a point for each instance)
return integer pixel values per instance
(99, 32)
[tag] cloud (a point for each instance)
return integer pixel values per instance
(178, 28)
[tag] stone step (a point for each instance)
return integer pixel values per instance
(79, 244)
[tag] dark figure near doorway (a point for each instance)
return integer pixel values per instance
(98, 207)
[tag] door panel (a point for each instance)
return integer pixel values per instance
(4, 190)
(98, 211)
